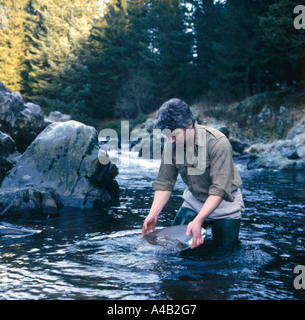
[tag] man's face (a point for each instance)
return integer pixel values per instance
(179, 136)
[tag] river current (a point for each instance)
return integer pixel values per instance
(92, 254)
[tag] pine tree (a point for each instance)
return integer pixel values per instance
(171, 46)
(59, 76)
(120, 80)
(235, 65)
(13, 45)
(283, 47)
(136, 95)
(207, 19)
(108, 63)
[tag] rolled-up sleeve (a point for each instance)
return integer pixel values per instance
(222, 169)
(167, 176)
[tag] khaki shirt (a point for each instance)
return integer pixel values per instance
(220, 177)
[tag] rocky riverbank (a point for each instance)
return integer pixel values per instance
(287, 153)
(267, 129)
(47, 163)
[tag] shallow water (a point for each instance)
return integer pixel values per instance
(86, 254)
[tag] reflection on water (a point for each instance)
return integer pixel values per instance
(86, 254)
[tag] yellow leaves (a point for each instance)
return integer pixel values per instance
(13, 45)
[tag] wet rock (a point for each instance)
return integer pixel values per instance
(256, 148)
(270, 160)
(22, 121)
(299, 141)
(5, 166)
(7, 145)
(224, 130)
(281, 154)
(8, 154)
(297, 135)
(286, 148)
(57, 116)
(29, 202)
(297, 129)
(3, 88)
(238, 145)
(64, 157)
(149, 125)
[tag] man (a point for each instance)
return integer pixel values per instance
(212, 196)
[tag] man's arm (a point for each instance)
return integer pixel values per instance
(194, 227)
(163, 186)
(160, 199)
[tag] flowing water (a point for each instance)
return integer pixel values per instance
(87, 254)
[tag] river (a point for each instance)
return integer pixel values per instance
(92, 254)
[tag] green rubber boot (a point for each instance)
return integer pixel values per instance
(184, 216)
(225, 231)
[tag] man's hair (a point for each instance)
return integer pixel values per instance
(174, 114)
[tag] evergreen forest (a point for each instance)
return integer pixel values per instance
(120, 59)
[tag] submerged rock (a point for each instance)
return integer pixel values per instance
(8, 229)
(29, 202)
(64, 158)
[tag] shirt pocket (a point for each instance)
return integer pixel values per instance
(201, 182)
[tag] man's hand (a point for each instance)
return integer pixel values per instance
(194, 228)
(149, 224)
(160, 199)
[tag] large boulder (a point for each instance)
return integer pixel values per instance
(22, 121)
(64, 158)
